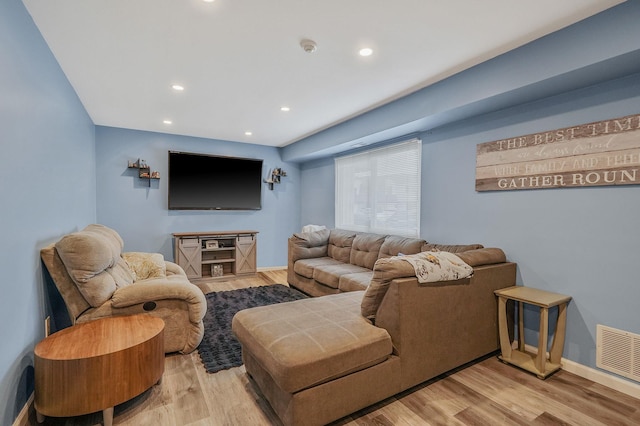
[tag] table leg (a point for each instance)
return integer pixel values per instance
(39, 417)
(107, 416)
(505, 343)
(555, 355)
(542, 341)
(521, 326)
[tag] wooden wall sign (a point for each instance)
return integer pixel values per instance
(595, 154)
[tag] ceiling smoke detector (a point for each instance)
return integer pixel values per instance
(309, 46)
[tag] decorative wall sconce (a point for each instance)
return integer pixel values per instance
(276, 174)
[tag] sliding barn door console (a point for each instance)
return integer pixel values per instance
(217, 254)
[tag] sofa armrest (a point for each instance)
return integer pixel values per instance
(483, 256)
(306, 245)
(436, 328)
(161, 289)
(388, 269)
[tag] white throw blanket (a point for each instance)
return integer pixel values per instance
(433, 266)
(313, 228)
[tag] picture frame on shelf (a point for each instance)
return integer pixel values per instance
(216, 270)
(211, 244)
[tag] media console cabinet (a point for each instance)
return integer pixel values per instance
(216, 254)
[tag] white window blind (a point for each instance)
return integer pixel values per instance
(379, 190)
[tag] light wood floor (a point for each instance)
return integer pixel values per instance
(487, 392)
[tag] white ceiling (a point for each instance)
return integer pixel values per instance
(241, 60)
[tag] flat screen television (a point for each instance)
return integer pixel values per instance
(210, 182)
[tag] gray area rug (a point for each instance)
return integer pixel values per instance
(219, 348)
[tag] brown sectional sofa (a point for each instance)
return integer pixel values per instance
(333, 261)
(319, 359)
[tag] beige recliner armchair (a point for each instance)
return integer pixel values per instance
(97, 280)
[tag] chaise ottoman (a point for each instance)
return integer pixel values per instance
(317, 359)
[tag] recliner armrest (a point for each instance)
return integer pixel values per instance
(174, 269)
(161, 289)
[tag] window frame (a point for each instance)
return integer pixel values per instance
(396, 196)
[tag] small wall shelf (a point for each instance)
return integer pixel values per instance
(276, 174)
(144, 171)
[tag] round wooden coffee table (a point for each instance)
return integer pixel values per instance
(96, 365)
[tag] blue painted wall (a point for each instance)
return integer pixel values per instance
(58, 172)
(140, 214)
(578, 241)
(47, 188)
(318, 189)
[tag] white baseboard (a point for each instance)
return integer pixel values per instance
(598, 376)
(605, 379)
(271, 268)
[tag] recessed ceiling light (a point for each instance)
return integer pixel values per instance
(177, 87)
(248, 133)
(208, 1)
(367, 51)
(285, 109)
(167, 121)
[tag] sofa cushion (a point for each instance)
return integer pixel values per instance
(451, 248)
(365, 249)
(305, 267)
(394, 245)
(112, 238)
(340, 242)
(329, 275)
(92, 259)
(355, 282)
(307, 342)
(384, 271)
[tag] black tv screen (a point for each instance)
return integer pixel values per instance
(209, 182)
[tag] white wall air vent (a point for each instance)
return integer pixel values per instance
(618, 351)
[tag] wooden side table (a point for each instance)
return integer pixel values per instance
(96, 365)
(535, 363)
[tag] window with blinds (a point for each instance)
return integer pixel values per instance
(379, 190)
